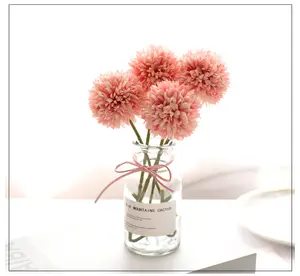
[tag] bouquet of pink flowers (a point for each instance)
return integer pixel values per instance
(166, 92)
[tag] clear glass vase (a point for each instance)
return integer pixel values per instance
(152, 212)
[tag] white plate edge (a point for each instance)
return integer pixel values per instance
(242, 201)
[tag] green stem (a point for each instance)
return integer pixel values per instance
(152, 190)
(162, 195)
(167, 198)
(167, 141)
(161, 142)
(140, 184)
(136, 132)
(146, 157)
(148, 137)
(172, 235)
(136, 239)
(144, 189)
(149, 176)
(140, 139)
(144, 163)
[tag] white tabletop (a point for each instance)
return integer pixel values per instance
(77, 234)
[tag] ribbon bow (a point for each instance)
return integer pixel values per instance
(138, 168)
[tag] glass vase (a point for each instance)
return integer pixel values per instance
(152, 212)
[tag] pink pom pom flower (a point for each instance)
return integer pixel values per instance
(116, 98)
(206, 74)
(171, 110)
(154, 65)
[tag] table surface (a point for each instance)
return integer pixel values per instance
(60, 227)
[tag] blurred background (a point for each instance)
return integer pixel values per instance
(58, 150)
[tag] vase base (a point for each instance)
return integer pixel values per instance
(151, 252)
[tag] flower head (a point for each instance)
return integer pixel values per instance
(171, 110)
(206, 74)
(154, 65)
(116, 98)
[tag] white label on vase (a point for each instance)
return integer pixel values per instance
(150, 219)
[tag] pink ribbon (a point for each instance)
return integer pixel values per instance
(149, 169)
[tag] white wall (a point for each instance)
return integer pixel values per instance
(57, 148)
